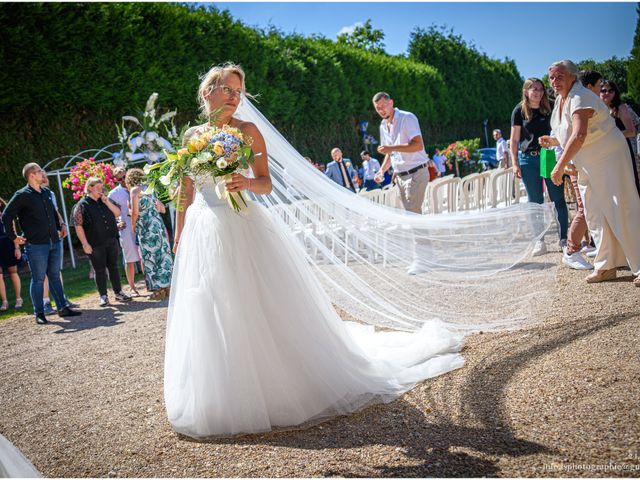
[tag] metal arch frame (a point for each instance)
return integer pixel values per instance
(66, 170)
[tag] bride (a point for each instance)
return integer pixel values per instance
(253, 341)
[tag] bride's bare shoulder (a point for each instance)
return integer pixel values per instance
(248, 128)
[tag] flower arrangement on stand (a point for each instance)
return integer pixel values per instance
(84, 170)
(462, 157)
(214, 152)
(151, 135)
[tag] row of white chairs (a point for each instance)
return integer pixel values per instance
(322, 236)
(476, 191)
(388, 195)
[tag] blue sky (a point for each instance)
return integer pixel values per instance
(532, 34)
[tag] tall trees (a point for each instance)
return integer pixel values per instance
(633, 74)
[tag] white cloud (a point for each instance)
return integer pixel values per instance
(349, 30)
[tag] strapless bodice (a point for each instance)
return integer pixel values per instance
(205, 186)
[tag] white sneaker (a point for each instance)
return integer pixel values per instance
(576, 261)
(539, 248)
(415, 268)
(589, 251)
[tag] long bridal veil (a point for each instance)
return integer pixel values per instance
(13, 464)
(475, 273)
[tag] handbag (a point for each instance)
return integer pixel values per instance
(547, 162)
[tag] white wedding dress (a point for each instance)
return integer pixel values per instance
(254, 343)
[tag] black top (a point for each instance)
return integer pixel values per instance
(532, 129)
(36, 215)
(98, 221)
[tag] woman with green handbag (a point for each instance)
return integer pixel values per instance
(589, 136)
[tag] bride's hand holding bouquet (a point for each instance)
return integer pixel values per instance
(220, 152)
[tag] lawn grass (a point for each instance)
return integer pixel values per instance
(77, 284)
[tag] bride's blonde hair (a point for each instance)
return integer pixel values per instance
(210, 80)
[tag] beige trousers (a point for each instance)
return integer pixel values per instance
(412, 188)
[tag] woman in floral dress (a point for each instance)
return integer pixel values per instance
(152, 235)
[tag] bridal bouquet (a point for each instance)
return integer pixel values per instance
(215, 151)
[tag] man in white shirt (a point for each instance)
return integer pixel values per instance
(370, 167)
(403, 149)
(502, 150)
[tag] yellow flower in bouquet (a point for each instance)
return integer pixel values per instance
(218, 152)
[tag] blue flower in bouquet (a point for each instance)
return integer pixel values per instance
(215, 151)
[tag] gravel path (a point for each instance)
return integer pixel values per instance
(83, 398)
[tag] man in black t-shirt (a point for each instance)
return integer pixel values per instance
(43, 232)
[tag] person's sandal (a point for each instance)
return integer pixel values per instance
(636, 281)
(601, 276)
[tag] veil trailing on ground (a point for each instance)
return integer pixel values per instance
(475, 273)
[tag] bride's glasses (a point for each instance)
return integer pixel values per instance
(230, 92)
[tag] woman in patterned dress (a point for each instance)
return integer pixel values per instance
(152, 235)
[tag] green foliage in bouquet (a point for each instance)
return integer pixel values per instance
(213, 151)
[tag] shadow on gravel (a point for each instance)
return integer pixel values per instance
(534, 266)
(110, 316)
(429, 445)
(423, 446)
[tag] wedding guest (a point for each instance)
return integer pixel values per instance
(43, 233)
(529, 121)
(589, 136)
(440, 160)
(95, 221)
(370, 167)
(502, 150)
(572, 255)
(591, 79)
(8, 264)
(578, 241)
(339, 172)
(610, 95)
(433, 170)
(355, 178)
(403, 149)
(152, 235)
(120, 195)
(48, 308)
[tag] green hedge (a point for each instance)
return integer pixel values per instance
(70, 71)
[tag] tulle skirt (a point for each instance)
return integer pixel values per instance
(253, 342)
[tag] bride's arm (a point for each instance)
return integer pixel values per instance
(184, 198)
(261, 184)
